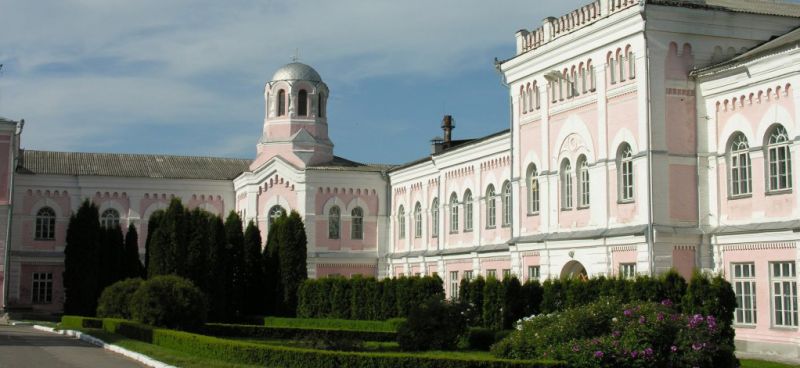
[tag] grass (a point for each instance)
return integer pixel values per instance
(750, 363)
(331, 324)
(169, 356)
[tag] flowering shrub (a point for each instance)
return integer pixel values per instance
(644, 334)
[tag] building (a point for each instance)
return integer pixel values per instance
(645, 135)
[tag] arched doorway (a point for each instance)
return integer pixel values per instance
(573, 269)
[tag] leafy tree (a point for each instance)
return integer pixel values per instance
(253, 271)
(236, 264)
(115, 301)
(132, 265)
(169, 301)
(432, 325)
(292, 259)
(81, 258)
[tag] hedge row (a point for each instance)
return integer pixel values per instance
(289, 357)
(333, 324)
(497, 305)
(298, 333)
(365, 298)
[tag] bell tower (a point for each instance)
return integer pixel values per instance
(295, 120)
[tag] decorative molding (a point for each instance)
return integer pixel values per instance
(758, 96)
(534, 253)
(623, 248)
(685, 247)
(759, 246)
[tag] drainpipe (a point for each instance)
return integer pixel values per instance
(7, 260)
(385, 176)
(650, 229)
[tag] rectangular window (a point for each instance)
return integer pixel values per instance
(533, 272)
(784, 294)
(506, 273)
(468, 275)
(627, 270)
(42, 291)
(491, 273)
(454, 284)
(744, 285)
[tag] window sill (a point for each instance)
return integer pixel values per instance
(586, 207)
(505, 226)
(625, 201)
(778, 192)
(491, 227)
(43, 239)
(744, 326)
(435, 236)
(467, 230)
(733, 197)
(566, 208)
(783, 328)
(453, 232)
(530, 214)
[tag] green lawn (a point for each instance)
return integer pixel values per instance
(169, 356)
(748, 363)
(330, 323)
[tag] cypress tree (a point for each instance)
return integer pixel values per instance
(168, 244)
(493, 304)
(218, 270)
(271, 269)
(254, 275)
(236, 266)
(80, 261)
(110, 265)
(132, 264)
(513, 302)
(152, 226)
(197, 254)
(292, 256)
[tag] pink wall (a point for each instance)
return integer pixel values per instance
(683, 192)
(621, 256)
(683, 260)
(32, 201)
(346, 270)
(530, 259)
(498, 264)
(26, 284)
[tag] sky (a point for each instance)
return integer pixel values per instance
(186, 77)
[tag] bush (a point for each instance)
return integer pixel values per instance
(296, 333)
(432, 325)
(115, 301)
(289, 357)
(479, 338)
(609, 334)
(333, 324)
(169, 301)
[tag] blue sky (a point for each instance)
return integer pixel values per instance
(186, 77)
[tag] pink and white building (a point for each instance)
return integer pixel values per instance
(645, 135)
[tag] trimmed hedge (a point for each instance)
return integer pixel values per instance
(365, 298)
(332, 324)
(278, 356)
(294, 333)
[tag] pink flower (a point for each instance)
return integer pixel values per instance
(642, 320)
(673, 349)
(627, 313)
(648, 352)
(697, 346)
(598, 354)
(575, 348)
(666, 303)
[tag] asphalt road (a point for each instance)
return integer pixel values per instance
(22, 346)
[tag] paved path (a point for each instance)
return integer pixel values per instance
(22, 346)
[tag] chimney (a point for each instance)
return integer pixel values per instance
(436, 145)
(447, 126)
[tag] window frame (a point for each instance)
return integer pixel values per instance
(334, 222)
(435, 218)
(357, 223)
(506, 204)
(453, 213)
(418, 220)
(533, 190)
(468, 213)
(566, 185)
(781, 281)
(491, 207)
(740, 174)
(584, 182)
(743, 281)
(627, 270)
(454, 281)
(779, 169)
(625, 174)
(281, 102)
(45, 224)
(110, 218)
(42, 288)
(401, 222)
(534, 272)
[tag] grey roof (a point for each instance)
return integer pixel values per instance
(131, 165)
(297, 71)
(765, 7)
(451, 251)
(581, 234)
(455, 145)
(343, 164)
(793, 225)
(787, 41)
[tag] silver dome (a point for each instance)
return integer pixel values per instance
(297, 71)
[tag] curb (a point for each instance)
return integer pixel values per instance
(141, 358)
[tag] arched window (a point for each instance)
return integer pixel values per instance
(506, 203)
(454, 213)
(592, 76)
(779, 159)
(109, 219)
(523, 99)
(468, 210)
(739, 161)
(612, 69)
(533, 189)
(435, 217)
(302, 103)
(321, 104)
(621, 65)
(401, 222)
(418, 220)
(491, 207)
(531, 92)
(625, 172)
(334, 220)
(583, 181)
(45, 224)
(536, 103)
(274, 214)
(583, 78)
(573, 85)
(281, 103)
(566, 185)
(357, 223)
